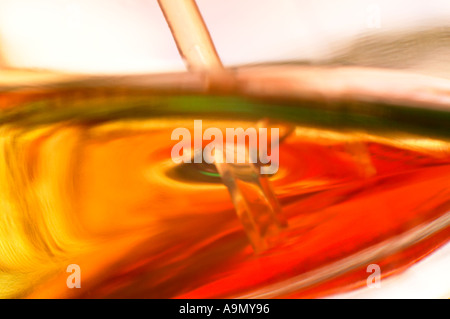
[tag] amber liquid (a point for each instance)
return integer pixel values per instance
(87, 179)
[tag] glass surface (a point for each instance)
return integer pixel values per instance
(87, 179)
